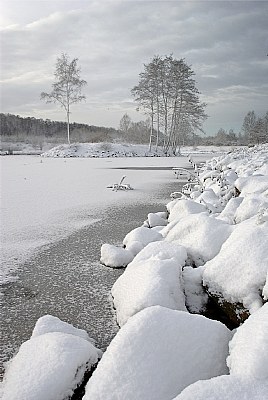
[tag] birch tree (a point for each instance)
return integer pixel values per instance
(167, 92)
(67, 88)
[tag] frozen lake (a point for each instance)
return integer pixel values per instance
(55, 215)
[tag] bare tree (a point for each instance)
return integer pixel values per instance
(167, 92)
(67, 87)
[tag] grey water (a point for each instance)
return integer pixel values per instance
(66, 279)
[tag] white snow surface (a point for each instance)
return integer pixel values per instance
(249, 347)
(225, 387)
(157, 354)
(239, 270)
(150, 282)
(201, 235)
(141, 235)
(161, 250)
(114, 256)
(49, 323)
(48, 367)
(195, 295)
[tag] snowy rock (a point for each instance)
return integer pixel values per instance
(151, 282)
(229, 211)
(157, 354)
(201, 235)
(156, 220)
(161, 250)
(225, 387)
(195, 295)
(49, 323)
(250, 206)
(48, 367)
(238, 273)
(143, 235)
(249, 347)
(253, 184)
(181, 208)
(115, 257)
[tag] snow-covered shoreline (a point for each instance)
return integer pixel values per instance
(211, 243)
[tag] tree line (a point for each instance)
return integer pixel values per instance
(16, 128)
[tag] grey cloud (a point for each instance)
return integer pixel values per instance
(225, 42)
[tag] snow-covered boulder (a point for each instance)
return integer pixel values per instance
(181, 208)
(201, 235)
(141, 235)
(151, 282)
(195, 296)
(225, 387)
(157, 354)
(162, 250)
(229, 211)
(115, 257)
(238, 273)
(49, 323)
(250, 206)
(154, 219)
(252, 184)
(249, 347)
(48, 367)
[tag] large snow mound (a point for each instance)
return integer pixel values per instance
(157, 354)
(151, 282)
(225, 387)
(239, 271)
(180, 208)
(201, 235)
(48, 367)
(249, 347)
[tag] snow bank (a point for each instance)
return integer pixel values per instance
(249, 347)
(151, 282)
(201, 235)
(104, 149)
(239, 271)
(157, 354)
(51, 364)
(115, 257)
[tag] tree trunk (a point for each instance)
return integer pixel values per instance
(68, 126)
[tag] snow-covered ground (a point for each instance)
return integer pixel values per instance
(213, 237)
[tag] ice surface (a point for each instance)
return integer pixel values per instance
(157, 354)
(47, 199)
(150, 282)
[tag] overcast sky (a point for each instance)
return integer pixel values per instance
(225, 42)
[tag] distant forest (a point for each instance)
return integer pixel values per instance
(38, 132)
